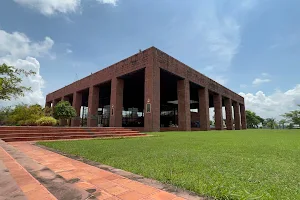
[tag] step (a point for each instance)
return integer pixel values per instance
(38, 138)
(53, 127)
(7, 135)
(36, 130)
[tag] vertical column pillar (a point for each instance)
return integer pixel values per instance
(228, 110)
(204, 109)
(218, 111)
(116, 102)
(184, 109)
(93, 104)
(243, 116)
(77, 102)
(152, 99)
(237, 117)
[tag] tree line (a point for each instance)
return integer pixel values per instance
(290, 120)
(36, 115)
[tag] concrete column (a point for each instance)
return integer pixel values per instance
(93, 105)
(237, 117)
(228, 110)
(243, 116)
(218, 111)
(116, 102)
(77, 102)
(204, 109)
(184, 112)
(152, 99)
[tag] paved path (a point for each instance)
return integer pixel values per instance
(100, 183)
(30, 187)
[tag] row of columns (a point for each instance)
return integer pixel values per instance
(184, 119)
(116, 102)
(152, 97)
(151, 101)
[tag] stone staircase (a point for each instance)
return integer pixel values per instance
(13, 134)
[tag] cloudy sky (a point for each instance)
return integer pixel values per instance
(250, 46)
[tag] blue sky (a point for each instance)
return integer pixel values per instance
(250, 46)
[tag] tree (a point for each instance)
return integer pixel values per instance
(252, 119)
(4, 114)
(293, 116)
(48, 111)
(64, 111)
(282, 123)
(290, 126)
(10, 79)
(24, 115)
(271, 123)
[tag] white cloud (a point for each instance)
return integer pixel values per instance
(265, 74)
(69, 51)
(217, 28)
(259, 81)
(51, 7)
(18, 50)
(112, 2)
(273, 105)
(19, 45)
(220, 41)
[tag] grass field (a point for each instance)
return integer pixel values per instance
(252, 164)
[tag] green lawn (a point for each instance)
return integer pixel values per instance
(252, 164)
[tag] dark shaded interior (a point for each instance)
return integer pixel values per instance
(168, 92)
(104, 104)
(133, 99)
(85, 97)
(70, 98)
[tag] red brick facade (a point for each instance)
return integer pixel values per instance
(153, 61)
(93, 108)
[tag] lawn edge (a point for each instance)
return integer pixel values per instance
(139, 178)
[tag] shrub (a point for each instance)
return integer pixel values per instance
(46, 121)
(31, 122)
(23, 115)
(21, 123)
(48, 111)
(64, 110)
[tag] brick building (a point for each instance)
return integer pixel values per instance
(151, 91)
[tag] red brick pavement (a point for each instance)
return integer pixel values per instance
(107, 185)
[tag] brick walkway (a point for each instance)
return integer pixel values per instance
(30, 187)
(100, 183)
